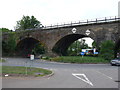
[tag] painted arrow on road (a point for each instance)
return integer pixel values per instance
(85, 78)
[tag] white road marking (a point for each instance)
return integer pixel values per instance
(104, 74)
(48, 78)
(6, 75)
(85, 80)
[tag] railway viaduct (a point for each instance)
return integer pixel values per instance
(57, 38)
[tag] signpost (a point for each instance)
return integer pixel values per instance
(31, 57)
(82, 53)
(95, 52)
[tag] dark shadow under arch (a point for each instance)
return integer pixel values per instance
(117, 48)
(25, 46)
(62, 45)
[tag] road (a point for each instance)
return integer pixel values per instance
(65, 75)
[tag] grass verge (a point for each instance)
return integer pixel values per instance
(79, 59)
(22, 71)
(2, 60)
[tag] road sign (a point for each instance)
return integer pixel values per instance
(74, 30)
(95, 52)
(31, 57)
(82, 53)
(87, 32)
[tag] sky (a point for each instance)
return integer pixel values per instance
(55, 11)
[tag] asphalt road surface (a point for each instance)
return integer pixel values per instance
(65, 75)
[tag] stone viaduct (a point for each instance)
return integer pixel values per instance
(58, 38)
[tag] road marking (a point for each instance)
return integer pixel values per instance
(104, 74)
(48, 78)
(85, 80)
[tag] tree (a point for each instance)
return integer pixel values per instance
(94, 45)
(9, 46)
(76, 47)
(83, 45)
(38, 49)
(28, 23)
(107, 50)
(5, 30)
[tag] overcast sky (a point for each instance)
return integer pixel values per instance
(55, 11)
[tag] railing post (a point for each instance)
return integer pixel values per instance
(105, 19)
(71, 23)
(57, 25)
(87, 21)
(64, 24)
(44, 26)
(115, 18)
(96, 20)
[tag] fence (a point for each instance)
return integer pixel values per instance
(84, 22)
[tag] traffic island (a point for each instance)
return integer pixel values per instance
(18, 71)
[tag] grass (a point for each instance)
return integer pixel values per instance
(2, 60)
(16, 70)
(79, 59)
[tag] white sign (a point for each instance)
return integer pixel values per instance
(74, 30)
(83, 75)
(31, 57)
(87, 32)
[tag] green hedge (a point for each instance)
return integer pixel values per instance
(79, 59)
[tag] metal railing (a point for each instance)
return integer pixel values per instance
(84, 22)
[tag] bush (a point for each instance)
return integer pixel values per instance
(38, 49)
(79, 59)
(9, 46)
(107, 50)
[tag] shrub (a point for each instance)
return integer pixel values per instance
(107, 50)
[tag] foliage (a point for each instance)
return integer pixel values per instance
(94, 45)
(107, 50)
(2, 60)
(9, 46)
(38, 49)
(5, 30)
(79, 59)
(76, 47)
(28, 22)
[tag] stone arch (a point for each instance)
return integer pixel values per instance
(25, 46)
(62, 45)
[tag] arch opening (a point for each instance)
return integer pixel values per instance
(26, 46)
(81, 45)
(63, 44)
(117, 49)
